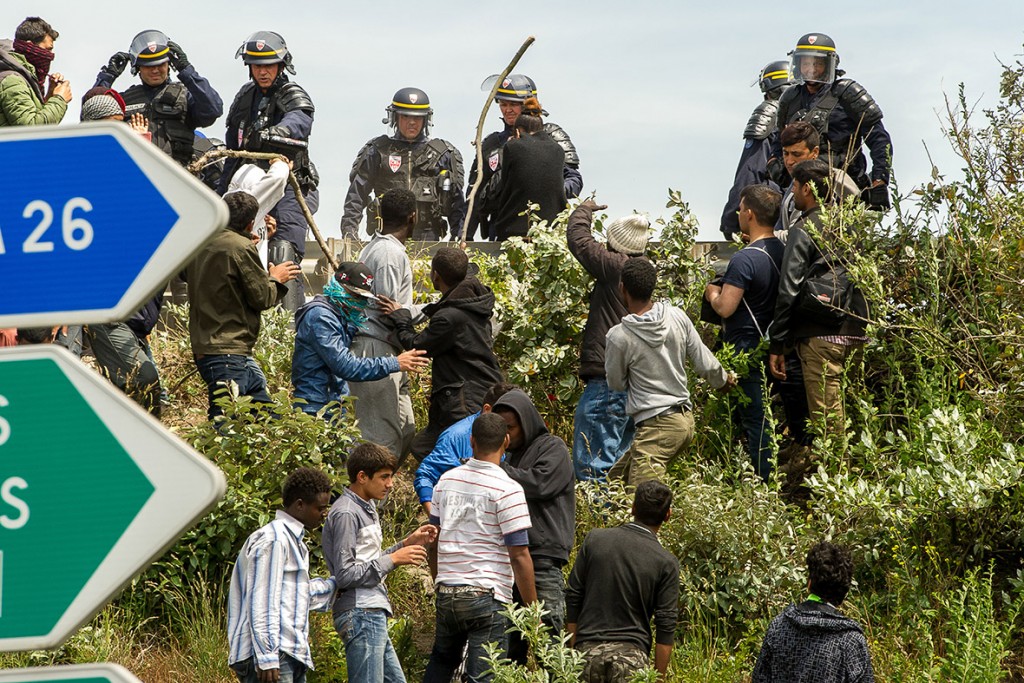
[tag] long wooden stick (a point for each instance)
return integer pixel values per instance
(215, 154)
(479, 135)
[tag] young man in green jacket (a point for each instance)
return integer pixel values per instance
(24, 69)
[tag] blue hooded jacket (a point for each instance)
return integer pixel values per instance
(451, 450)
(323, 364)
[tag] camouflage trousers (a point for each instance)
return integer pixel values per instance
(611, 662)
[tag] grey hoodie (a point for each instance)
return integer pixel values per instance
(645, 355)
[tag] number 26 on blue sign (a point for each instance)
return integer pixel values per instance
(77, 232)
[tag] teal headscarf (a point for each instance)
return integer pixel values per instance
(353, 307)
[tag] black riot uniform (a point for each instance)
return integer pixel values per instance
(844, 114)
(430, 167)
(279, 121)
(516, 88)
(760, 131)
(174, 110)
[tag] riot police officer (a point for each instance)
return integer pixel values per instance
(844, 114)
(174, 110)
(761, 130)
(272, 114)
(511, 98)
(410, 159)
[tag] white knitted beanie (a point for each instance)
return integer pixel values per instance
(628, 235)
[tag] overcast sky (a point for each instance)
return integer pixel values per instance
(654, 94)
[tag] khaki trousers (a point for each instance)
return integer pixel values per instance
(657, 443)
(823, 365)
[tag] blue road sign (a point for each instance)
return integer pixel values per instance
(93, 220)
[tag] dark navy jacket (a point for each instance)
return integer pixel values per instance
(204, 103)
(752, 170)
(843, 132)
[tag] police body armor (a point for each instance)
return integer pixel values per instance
(284, 96)
(762, 122)
(854, 100)
(416, 168)
(167, 112)
(572, 158)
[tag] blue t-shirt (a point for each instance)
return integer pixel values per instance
(754, 269)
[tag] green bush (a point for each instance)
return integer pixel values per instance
(256, 446)
(541, 306)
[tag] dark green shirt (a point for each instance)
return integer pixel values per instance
(228, 288)
(622, 580)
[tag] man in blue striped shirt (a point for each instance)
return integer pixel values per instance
(271, 591)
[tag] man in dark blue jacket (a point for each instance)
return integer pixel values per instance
(844, 114)
(270, 113)
(323, 363)
(761, 131)
(452, 448)
(174, 110)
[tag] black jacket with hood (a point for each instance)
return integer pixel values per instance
(458, 339)
(543, 468)
(813, 643)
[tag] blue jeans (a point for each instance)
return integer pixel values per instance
(220, 371)
(602, 432)
(475, 618)
(291, 670)
(550, 583)
(752, 416)
(369, 654)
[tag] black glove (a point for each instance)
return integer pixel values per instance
(280, 137)
(877, 198)
(115, 66)
(777, 171)
(277, 131)
(179, 60)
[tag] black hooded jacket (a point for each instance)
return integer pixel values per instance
(458, 339)
(543, 468)
(813, 643)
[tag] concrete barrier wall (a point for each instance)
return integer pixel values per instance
(316, 269)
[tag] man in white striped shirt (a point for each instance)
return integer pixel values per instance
(482, 549)
(271, 591)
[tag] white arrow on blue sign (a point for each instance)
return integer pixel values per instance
(93, 220)
(85, 673)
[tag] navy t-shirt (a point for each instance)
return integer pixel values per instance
(754, 269)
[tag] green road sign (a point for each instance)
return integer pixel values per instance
(92, 489)
(86, 673)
